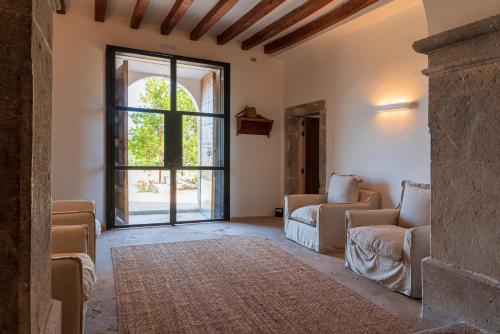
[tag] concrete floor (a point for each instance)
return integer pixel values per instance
(102, 315)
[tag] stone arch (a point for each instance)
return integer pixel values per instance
(183, 86)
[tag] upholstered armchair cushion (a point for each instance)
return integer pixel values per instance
(70, 239)
(384, 240)
(415, 206)
(343, 189)
(307, 214)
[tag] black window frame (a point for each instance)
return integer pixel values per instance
(171, 115)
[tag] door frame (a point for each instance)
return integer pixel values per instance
(174, 115)
(292, 136)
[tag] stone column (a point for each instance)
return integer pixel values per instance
(461, 278)
(25, 164)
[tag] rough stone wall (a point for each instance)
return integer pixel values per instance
(462, 277)
(25, 155)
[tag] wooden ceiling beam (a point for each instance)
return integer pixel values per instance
(176, 13)
(260, 10)
(338, 14)
(138, 14)
(213, 16)
(100, 10)
(62, 10)
(298, 14)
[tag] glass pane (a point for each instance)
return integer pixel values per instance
(199, 88)
(200, 195)
(139, 139)
(142, 197)
(142, 82)
(202, 141)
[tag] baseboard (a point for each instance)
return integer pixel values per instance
(453, 295)
(246, 218)
(454, 329)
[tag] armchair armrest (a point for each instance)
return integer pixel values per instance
(418, 240)
(371, 197)
(69, 239)
(72, 206)
(331, 223)
(358, 218)
(416, 247)
(68, 286)
(339, 209)
(70, 213)
(293, 202)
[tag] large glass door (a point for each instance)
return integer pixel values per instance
(167, 143)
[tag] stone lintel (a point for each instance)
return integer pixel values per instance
(465, 47)
(470, 31)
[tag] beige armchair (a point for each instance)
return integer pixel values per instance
(387, 246)
(316, 222)
(73, 275)
(78, 212)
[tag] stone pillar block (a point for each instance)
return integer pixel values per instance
(25, 164)
(461, 279)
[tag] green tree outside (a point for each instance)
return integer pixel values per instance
(145, 138)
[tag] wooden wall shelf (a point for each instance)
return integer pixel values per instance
(254, 126)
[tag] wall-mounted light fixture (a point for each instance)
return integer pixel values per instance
(396, 106)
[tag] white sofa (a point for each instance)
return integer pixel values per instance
(387, 246)
(324, 229)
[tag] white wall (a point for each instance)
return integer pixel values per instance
(354, 69)
(444, 15)
(79, 113)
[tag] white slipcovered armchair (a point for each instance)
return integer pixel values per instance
(387, 246)
(74, 230)
(73, 275)
(78, 212)
(317, 221)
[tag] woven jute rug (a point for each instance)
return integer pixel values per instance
(235, 285)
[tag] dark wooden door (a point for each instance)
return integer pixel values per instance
(312, 155)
